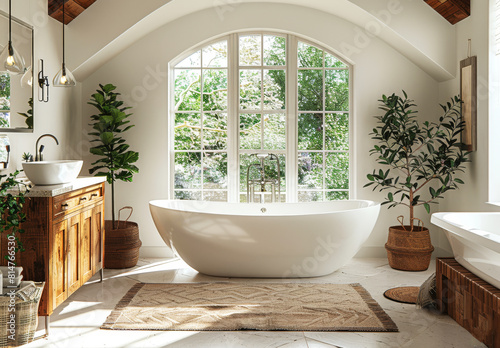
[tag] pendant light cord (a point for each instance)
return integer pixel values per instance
(10, 21)
(63, 37)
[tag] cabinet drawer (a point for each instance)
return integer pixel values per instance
(75, 200)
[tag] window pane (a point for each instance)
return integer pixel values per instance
(250, 131)
(250, 46)
(217, 196)
(215, 131)
(337, 195)
(215, 55)
(310, 196)
(215, 89)
(310, 131)
(274, 131)
(310, 170)
(274, 89)
(333, 62)
(337, 171)
(309, 56)
(274, 50)
(187, 170)
(214, 170)
(271, 171)
(192, 195)
(187, 89)
(337, 132)
(250, 89)
(193, 61)
(310, 97)
(337, 90)
(187, 132)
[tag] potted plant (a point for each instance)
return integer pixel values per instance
(420, 158)
(12, 199)
(116, 162)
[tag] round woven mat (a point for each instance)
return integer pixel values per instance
(403, 294)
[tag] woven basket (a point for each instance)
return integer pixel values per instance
(121, 245)
(409, 251)
(25, 320)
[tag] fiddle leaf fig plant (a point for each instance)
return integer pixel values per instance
(417, 156)
(116, 161)
(12, 200)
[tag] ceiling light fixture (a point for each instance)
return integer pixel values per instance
(64, 77)
(10, 58)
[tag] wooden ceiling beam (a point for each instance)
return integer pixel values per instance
(72, 8)
(453, 10)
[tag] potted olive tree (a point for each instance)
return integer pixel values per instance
(422, 162)
(116, 162)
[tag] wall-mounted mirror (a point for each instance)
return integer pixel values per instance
(16, 94)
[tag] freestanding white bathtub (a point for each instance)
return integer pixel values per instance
(265, 240)
(475, 241)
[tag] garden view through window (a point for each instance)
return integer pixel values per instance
(252, 93)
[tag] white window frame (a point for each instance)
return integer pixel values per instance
(233, 112)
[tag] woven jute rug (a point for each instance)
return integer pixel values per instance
(244, 306)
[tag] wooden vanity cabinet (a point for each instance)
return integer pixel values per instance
(64, 241)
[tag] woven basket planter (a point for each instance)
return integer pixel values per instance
(409, 251)
(121, 245)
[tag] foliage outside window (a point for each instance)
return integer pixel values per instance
(204, 102)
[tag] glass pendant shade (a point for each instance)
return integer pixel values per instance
(12, 61)
(64, 78)
(27, 79)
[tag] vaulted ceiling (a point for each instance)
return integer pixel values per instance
(72, 8)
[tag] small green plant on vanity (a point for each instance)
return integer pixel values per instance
(418, 156)
(12, 200)
(116, 161)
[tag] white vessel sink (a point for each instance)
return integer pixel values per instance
(52, 172)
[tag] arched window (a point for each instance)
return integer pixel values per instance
(251, 93)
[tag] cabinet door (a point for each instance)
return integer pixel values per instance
(58, 276)
(86, 243)
(73, 257)
(97, 237)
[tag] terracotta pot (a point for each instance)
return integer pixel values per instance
(121, 245)
(409, 251)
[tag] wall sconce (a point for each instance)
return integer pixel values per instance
(43, 84)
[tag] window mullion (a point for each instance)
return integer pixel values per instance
(233, 119)
(292, 119)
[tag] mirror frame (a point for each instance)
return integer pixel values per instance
(28, 27)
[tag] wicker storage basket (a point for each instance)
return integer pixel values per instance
(121, 245)
(25, 316)
(409, 251)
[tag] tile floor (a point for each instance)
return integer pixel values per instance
(76, 322)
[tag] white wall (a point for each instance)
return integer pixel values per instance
(96, 38)
(474, 194)
(61, 115)
(140, 74)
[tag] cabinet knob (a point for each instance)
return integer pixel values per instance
(83, 199)
(64, 206)
(93, 195)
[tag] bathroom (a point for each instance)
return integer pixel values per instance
(388, 46)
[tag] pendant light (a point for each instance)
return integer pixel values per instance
(64, 77)
(12, 61)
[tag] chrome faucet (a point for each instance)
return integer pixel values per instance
(38, 152)
(262, 180)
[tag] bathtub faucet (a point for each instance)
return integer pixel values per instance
(262, 180)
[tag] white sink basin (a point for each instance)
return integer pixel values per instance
(52, 172)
